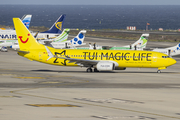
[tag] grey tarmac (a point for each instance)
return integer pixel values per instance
(30, 90)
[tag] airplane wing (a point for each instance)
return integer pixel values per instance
(80, 62)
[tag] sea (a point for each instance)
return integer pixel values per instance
(96, 16)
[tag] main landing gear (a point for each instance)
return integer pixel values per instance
(90, 70)
(96, 70)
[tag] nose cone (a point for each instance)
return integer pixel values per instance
(172, 61)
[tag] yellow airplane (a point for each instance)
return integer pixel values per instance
(100, 60)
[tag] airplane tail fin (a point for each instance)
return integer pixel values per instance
(57, 27)
(142, 42)
(26, 19)
(63, 36)
(25, 39)
(79, 39)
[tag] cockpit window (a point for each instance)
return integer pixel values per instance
(165, 57)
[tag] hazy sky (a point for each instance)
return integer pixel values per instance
(92, 2)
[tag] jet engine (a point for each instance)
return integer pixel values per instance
(105, 66)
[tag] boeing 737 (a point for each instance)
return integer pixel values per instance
(11, 34)
(61, 41)
(100, 60)
(138, 45)
(61, 38)
(55, 29)
(171, 51)
(76, 41)
(8, 37)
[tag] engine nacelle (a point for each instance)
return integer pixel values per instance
(105, 66)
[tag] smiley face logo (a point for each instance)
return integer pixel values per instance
(20, 37)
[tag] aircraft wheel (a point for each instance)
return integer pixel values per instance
(158, 71)
(95, 70)
(89, 70)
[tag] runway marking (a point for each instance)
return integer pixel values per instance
(52, 105)
(125, 117)
(108, 100)
(90, 104)
(8, 74)
(8, 96)
(30, 77)
(49, 82)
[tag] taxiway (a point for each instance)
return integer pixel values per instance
(31, 90)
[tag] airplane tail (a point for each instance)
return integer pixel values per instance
(63, 36)
(26, 19)
(25, 39)
(57, 27)
(142, 42)
(79, 39)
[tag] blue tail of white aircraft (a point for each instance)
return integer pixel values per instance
(57, 27)
(26, 19)
(79, 39)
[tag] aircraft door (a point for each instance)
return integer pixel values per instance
(169, 52)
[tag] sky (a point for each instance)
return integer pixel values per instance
(91, 2)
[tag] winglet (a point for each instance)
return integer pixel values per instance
(49, 53)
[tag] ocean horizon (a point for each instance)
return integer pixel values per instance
(97, 16)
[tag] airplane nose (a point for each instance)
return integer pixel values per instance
(172, 61)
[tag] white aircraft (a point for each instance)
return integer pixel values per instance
(61, 41)
(8, 37)
(55, 29)
(11, 34)
(138, 45)
(76, 41)
(61, 38)
(171, 51)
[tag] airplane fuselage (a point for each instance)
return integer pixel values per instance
(121, 58)
(7, 34)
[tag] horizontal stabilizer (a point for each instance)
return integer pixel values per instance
(49, 54)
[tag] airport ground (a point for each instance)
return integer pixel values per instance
(31, 90)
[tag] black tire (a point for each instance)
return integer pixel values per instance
(95, 70)
(89, 70)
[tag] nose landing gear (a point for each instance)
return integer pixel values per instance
(159, 71)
